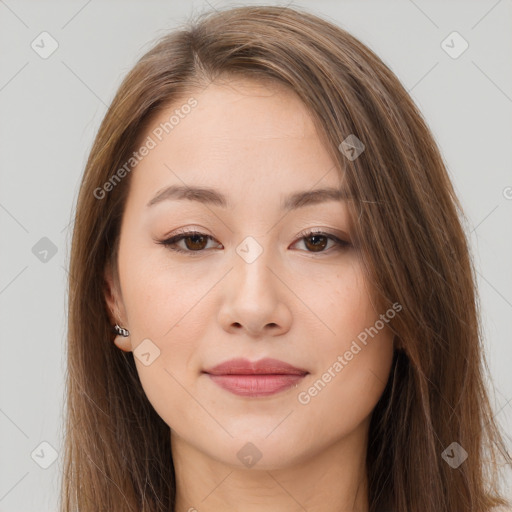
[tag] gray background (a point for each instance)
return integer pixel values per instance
(51, 109)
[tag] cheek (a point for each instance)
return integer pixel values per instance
(345, 392)
(344, 305)
(170, 308)
(161, 296)
(353, 361)
(165, 308)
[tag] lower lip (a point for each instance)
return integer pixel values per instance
(256, 385)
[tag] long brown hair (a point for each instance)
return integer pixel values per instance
(411, 229)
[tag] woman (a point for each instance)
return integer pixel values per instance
(271, 301)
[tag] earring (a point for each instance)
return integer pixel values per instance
(121, 331)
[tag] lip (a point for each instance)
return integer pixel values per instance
(259, 378)
(266, 366)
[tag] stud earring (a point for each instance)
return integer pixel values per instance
(121, 331)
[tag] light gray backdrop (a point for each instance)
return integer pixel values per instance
(52, 99)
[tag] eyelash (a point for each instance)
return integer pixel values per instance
(171, 242)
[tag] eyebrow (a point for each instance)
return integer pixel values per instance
(213, 197)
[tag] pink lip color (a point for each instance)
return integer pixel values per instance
(255, 385)
(252, 379)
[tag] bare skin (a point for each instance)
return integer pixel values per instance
(295, 303)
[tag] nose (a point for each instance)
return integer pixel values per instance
(255, 300)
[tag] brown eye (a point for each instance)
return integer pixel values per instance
(195, 242)
(316, 243)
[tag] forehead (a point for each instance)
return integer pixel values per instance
(239, 134)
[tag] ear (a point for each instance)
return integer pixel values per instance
(116, 311)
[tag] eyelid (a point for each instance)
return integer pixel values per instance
(180, 234)
(319, 231)
(190, 230)
(304, 233)
(340, 243)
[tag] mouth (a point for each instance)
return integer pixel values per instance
(252, 379)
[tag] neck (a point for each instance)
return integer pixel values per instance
(333, 480)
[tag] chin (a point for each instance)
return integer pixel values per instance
(256, 451)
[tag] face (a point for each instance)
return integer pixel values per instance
(259, 275)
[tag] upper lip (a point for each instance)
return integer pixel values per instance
(266, 366)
